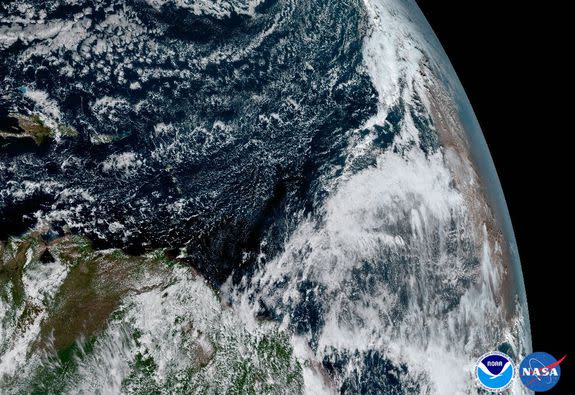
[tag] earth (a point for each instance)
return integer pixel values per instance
(245, 196)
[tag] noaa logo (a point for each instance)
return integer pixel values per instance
(540, 371)
(494, 371)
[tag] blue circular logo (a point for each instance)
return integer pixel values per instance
(540, 371)
(494, 371)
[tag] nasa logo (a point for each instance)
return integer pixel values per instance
(494, 371)
(540, 371)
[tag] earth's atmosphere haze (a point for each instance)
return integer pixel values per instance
(261, 196)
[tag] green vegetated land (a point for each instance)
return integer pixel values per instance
(20, 128)
(153, 320)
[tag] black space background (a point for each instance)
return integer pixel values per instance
(511, 59)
